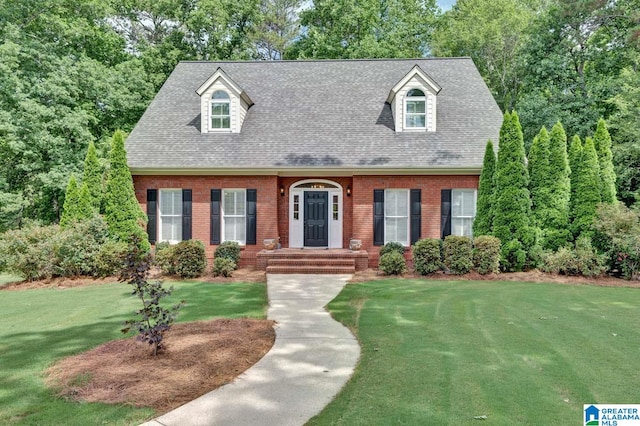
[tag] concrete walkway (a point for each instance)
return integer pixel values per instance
(311, 360)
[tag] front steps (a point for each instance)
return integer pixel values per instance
(311, 261)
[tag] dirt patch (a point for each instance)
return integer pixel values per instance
(247, 275)
(199, 357)
(532, 276)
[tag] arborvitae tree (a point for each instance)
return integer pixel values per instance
(602, 142)
(511, 223)
(483, 223)
(71, 201)
(555, 223)
(85, 208)
(587, 191)
(538, 167)
(575, 164)
(92, 177)
(122, 212)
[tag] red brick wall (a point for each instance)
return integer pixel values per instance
(273, 209)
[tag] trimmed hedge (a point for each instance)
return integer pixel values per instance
(392, 247)
(427, 257)
(189, 258)
(229, 250)
(223, 266)
(458, 253)
(486, 254)
(392, 263)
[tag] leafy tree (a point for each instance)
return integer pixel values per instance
(71, 202)
(122, 212)
(512, 203)
(152, 320)
(92, 177)
(602, 142)
(279, 27)
(365, 29)
(483, 222)
(587, 191)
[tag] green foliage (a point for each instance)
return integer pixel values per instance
(586, 192)
(458, 254)
(92, 177)
(189, 258)
(229, 250)
(164, 258)
(279, 27)
(153, 320)
(617, 234)
(486, 254)
(427, 257)
(85, 210)
(223, 267)
(392, 263)
(392, 246)
(122, 211)
(109, 259)
(483, 222)
(512, 204)
(602, 142)
(581, 260)
(539, 174)
(71, 202)
(365, 29)
(28, 252)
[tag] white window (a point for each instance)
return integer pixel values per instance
(220, 110)
(415, 116)
(234, 226)
(463, 210)
(396, 216)
(170, 215)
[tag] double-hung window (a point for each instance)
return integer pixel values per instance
(234, 215)
(220, 110)
(415, 110)
(170, 215)
(396, 216)
(463, 211)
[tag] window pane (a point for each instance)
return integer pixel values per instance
(226, 123)
(390, 203)
(415, 92)
(234, 229)
(415, 121)
(415, 107)
(171, 229)
(462, 227)
(468, 204)
(220, 94)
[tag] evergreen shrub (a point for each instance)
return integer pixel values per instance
(486, 254)
(223, 267)
(109, 260)
(163, 258)
(581, 260)
(392, 246)
(427, 257)
(229, 250)
(458, 254)
(189, 258)
(392, 263)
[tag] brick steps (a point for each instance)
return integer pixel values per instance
(311, 261)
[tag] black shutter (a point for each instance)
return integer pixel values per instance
(186, 214)
(445, 213)
(216, 196)
(416, 215)
(152, 214)
(251, 216)
(378, 217)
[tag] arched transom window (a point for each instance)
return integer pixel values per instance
(220, 114)
(415, 110)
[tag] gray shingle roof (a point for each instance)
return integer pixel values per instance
(317, 114)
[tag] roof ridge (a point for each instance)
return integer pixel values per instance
(280, 61)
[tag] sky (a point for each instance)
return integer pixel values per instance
(445, 4)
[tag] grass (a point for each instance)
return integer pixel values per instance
(519, 353)
(8, 278)
(38, 327)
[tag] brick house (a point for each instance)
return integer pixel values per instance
(314, 153)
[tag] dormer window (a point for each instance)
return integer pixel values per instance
(220, 110)
(415, 110)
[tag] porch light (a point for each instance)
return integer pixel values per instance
(348, 190)
(282, 190)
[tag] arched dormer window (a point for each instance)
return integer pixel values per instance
(415, 116)
(220, 110)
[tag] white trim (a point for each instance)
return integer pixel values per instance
(416, 71)
(406, 243)
(475, 207)
(160, 215)
(310, 172)
(223, 216)
(296, 226)
(405, 113)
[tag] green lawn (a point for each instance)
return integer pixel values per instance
(7, 278)
(38, 327)
(436, 352)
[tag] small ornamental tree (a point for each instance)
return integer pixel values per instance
(602, 142)
(587, 191)
(85, 210)
(122, 211)
(70, 206)
(511, 223)
(153, 320)
(92, 177)
(483, 223)
(538, 167)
